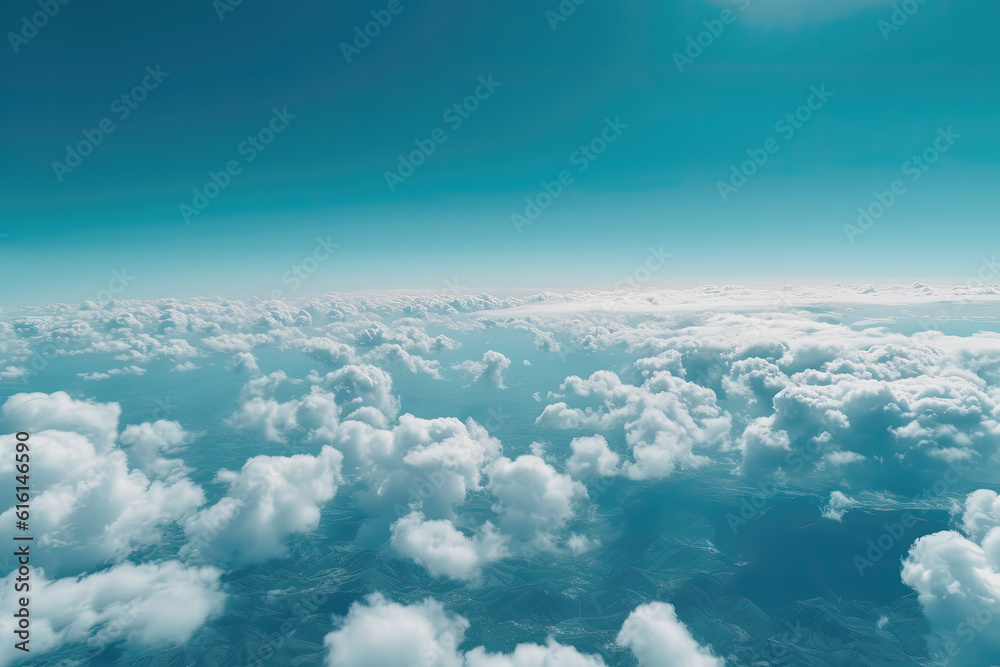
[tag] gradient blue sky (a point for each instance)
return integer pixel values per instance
(655, 186)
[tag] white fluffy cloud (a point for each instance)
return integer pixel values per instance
(88, 505)
(659, 639)
(665, 419)
(957, 579)
(552, 654)
(533, 499)
(271, 498)
(982, 514)
(421, 464)
(364, 393)
(592, 458)
(443, 549)
(148, 442)
(492, 369)
(153, 605)
(838, 506)
(35, 412)
(425, 635)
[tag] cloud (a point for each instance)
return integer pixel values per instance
(659, 639)
(492, 370)
(838, 506)
(755, 380)
(443, 550)
(326, 350)
(147, 443)
(421, 464)
(245, 362)
(414, 363)
(236, 342)
(149, 605)
(364, 393)
(422, 634)
(271, 498)
(88, 506)
(532, 498)
(592, 458)
(664, 420)
(425, 635)
(35, 412)
(957, 579)
(982, 514)
(552, 654)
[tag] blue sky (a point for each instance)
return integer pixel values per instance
(655, 185)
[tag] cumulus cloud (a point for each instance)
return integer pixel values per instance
(271, 498)
(421, 464)
(592, 458)
(88, 505)
(443, 550)
(364, 393)
(414, 363)
(957, 579)
(12, 373)
(424, 634)
(492, 370)
(326, 350)
(266, 415)
(148, 442)
(35, 412)
(533, 499)
(151, 605)
(245, 362)
(838, 506)
(665, 419)
(552, 654)
(982, 514)
(659, 639)
(236, 342)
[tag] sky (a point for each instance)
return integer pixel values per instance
(313, 211)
